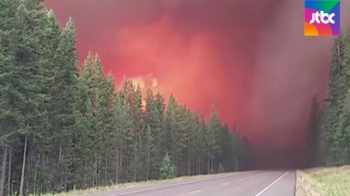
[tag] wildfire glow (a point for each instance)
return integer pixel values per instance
(208, 53)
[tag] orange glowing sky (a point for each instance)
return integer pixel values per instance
(252, 63)
(188, 68)
(188, 63)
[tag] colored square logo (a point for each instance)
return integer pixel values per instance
(322, 18)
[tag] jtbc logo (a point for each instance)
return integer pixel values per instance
(324, 17)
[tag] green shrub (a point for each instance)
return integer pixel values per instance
(167, 168)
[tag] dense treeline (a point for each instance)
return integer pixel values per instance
(329, 127)
(63, 128)
(337, 119)
(313, 136)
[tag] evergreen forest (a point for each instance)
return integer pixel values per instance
(328, 135)
(64, 128)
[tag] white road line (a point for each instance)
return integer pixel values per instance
(273, 183)
(205, 179)
(226, 183)
(194, 192)
(252, 176)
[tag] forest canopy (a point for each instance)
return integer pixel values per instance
(63, 128)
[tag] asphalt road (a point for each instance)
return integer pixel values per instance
(252, 183)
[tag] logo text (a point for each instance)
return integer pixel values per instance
(322, 18)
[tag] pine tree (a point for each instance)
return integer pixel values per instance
(167, 168)
(105, 119)
(123, 136)
(27, 62)
(335, 123)
(212, 140)
(9, 117)
(153, 118)
(312, 136)
(332, 99)
(67, 82)
(173, 136)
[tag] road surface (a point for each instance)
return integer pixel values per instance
(251, 183)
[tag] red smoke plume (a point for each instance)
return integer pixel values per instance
(248, 58)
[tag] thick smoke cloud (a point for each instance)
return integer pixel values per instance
(248, 58)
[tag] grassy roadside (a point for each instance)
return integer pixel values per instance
(323, 182)
(126, 185)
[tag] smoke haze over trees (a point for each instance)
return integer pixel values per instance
(260, 72)
(62, 127)
(328, 132)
